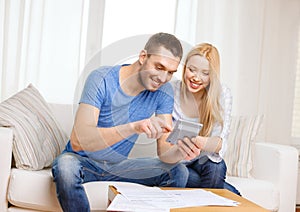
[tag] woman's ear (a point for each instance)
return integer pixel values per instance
(142, 56)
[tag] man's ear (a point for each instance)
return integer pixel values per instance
(142, 56)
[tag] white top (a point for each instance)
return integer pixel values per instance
(226, 103)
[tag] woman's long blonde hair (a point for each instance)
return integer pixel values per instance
(210, 110)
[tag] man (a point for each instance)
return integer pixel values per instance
(117, 105)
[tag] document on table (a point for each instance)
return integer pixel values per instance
(154, 199)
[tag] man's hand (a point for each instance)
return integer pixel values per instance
(153, 127)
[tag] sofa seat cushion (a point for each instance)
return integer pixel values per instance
(261, 192)
(35, 190)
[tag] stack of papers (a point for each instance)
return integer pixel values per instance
(145, 198)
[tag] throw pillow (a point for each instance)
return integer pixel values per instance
(238, 157)
(38, 139)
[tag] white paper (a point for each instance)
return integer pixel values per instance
(200, 197)
(120, 203)
(144, 198)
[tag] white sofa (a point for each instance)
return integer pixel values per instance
(273, 185)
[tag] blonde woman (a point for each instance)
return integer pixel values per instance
(200, 97)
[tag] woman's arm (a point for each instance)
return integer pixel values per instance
(227, 108)
(218, 141)
(208, 144)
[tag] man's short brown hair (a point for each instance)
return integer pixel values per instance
(168, 41)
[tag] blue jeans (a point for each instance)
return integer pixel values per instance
(71, 170)
(204, 173)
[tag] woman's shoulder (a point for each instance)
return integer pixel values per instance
(175, 83)
(225, 90)
(226, 95)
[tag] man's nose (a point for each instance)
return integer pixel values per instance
(163, 76)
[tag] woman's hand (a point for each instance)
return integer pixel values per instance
(188, 148)
(200, 141)
(191, 148)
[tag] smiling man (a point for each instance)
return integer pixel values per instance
(117, 104)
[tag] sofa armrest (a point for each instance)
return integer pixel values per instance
(278, 164)
(6, 140)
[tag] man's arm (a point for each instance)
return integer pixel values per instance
(87, 136)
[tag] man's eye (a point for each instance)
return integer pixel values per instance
(159, 68)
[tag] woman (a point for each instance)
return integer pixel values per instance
(200, 97)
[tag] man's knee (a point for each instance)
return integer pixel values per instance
(180, 174)
(65, 167)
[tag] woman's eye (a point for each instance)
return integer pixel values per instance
(191, 70)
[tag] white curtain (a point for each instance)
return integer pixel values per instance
(47, 43)
(257, 41)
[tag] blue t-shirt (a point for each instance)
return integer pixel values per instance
(102, 90)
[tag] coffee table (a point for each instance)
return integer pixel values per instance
(244, 206)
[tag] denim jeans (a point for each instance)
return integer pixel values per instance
(204, 173)
(71, 170)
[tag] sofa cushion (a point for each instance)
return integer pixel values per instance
(238, 157)
(35, 190)
(38, 138)
(261, 192)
